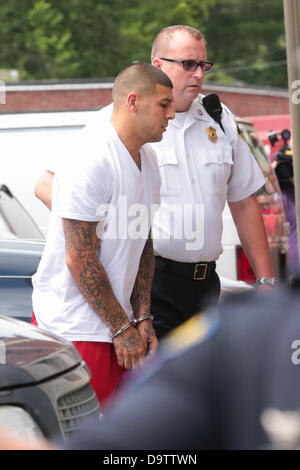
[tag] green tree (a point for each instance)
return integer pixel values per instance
(141, 21)
(246, 38)
(94, 38)
(56, 39)
(60, 39)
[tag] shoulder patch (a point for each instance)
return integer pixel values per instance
(194, 331)
(239, 131)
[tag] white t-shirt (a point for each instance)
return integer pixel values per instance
(199, 174)
(104, 186)
(201, 167)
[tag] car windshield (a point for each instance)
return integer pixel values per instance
(14, 219)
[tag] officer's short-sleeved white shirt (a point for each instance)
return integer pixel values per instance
(103, 185)
(201, 167)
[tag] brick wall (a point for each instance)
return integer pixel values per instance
(40, 96)
(55, 99)
(254, 105)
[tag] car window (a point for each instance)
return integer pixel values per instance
(5, 231)
(14, 219)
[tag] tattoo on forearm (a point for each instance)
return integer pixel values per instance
(150, 330)
(140, 297)
(90, 276)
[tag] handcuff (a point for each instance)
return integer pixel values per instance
(134, 323)
(266, 281)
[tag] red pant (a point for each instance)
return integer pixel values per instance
(102, 362)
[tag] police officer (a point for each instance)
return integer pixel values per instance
(203, 163)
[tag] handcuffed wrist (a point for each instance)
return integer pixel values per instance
(147, 316)
(135, 322)
(124, 328)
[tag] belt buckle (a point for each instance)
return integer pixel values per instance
(200, 278)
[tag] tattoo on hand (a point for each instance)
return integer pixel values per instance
(129, 343)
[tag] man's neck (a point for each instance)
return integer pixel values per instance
(136, 156)
(182, 104)
(128, 138)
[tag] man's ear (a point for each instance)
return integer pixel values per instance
(156, 62)
(132, 101)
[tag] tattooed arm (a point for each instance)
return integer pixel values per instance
(141, 296)
(82, 247)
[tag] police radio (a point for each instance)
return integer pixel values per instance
(213, 107)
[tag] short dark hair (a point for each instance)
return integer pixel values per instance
(141, 77)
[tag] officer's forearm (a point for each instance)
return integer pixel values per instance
(43, 188)
(250, 226)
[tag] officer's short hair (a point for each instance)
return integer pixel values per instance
(163, 38)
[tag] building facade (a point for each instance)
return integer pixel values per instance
(93, 94)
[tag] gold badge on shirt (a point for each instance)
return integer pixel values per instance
(212, 134)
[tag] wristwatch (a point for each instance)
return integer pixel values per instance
(269, 281)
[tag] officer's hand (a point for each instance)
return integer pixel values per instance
(148, 335)
(129, 348)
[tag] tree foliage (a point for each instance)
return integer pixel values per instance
(61, 39)
(247, 40)
(143, 20)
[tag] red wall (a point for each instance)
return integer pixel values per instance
(246, 105)
(242, 104)
(53, 100)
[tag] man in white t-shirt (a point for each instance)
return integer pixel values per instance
(203, 163)
(93, 283)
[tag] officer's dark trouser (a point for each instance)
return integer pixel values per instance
(176, 298)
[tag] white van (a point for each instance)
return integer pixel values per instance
(30, 140)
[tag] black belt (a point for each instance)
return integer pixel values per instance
(197, 271)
